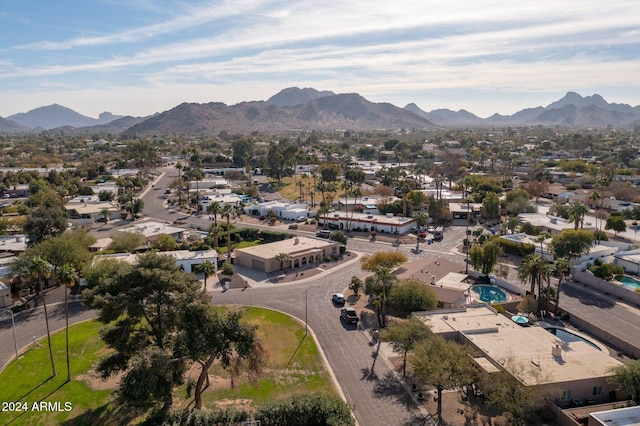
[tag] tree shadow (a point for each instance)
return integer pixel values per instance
(391, 387)
(421, 420)
(105, 414)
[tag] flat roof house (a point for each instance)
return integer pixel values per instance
(388, 224)
(532, 355)
(152, 230)
(303, 251)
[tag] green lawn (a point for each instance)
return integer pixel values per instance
(294, 366)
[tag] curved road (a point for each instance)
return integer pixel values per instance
(364, 377)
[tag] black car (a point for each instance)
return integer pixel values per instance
(349, 315)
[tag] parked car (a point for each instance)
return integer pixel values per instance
(338, 298)
(349, 315)
(301, 219)
(431, 229)
(102, 219)
(325, 233)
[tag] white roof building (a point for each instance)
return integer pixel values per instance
(152, 230)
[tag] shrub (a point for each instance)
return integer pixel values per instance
(227, 269)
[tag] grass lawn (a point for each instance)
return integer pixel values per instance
(294, 366)
(241, 244)
(289, 191)
(30, 381)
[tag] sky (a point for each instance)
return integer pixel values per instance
(138, 57)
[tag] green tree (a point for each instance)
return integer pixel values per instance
(420, 219)
(616, 223)
(382, 263)
(66, 276)
(355, 285)
(209, 335)
(532, 271)
(491, 204)
(214, 209)
(141, 307)
(627, 377)
(485, 257)
(206, 268)
(339, 236)
(306, 409)
(412, 295)
(125, 242)
(227, 211)
(44, 222)
(39, 269)
(165, 242)
(404, 336)
(561, 265)
(577, 212)
(105, 213)
(283, 257)
(571, 243)
(70, 247)
(444, 364)
(105, 195)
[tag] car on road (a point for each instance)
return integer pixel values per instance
(338, 298)
(325, 233)
(301, 219)
(349, 315)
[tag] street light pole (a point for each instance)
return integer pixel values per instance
(15, 338)
(306, 304)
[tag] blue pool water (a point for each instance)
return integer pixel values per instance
(628, 282)
(490, 293)
(567, 336)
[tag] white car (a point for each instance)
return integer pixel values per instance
(431, 229)
(338, 298)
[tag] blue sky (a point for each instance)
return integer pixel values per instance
(137, 57)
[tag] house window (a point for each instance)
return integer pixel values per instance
(597, 390)
(566, 395)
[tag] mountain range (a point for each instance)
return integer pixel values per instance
(309, 109)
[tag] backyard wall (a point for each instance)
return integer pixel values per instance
(606, 287)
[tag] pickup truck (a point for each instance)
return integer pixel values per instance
(349, 315)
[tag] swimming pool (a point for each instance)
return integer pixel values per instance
(568, 337)
(490, 293)
(628, 281)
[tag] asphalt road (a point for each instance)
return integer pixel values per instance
(364, 377)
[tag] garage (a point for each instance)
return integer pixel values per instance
(256, 264)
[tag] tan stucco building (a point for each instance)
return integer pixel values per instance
(302, 251)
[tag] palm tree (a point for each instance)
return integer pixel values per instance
(283, 257)
(66, 276)
(207, 269)
(594, 197)
(39, 268)
(105, 213)
(420, 219)
(577, 212)
(214, 209)
(532, 270)
(561, 265)
(227, 211)
(542, 236)
(214, 230)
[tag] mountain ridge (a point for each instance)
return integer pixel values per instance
(310, 109)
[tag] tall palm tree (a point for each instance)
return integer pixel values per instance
(39, 268)
(420, 219)
(214, 209)
(594, 197)
(66, 276)
(283, 257)
(542, 236)
(227, 211)
(531, 271)
(214, 230)
(577, 212)
(561, 265)
(207, 269)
